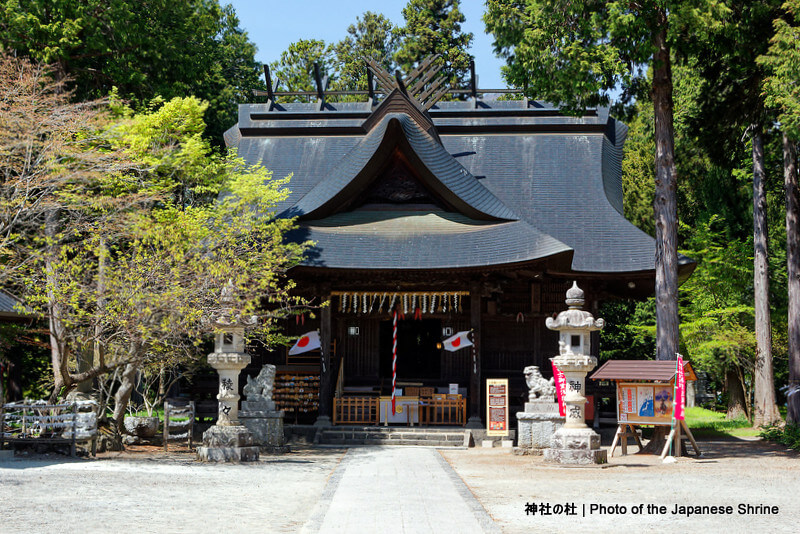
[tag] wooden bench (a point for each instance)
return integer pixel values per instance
(38, 422)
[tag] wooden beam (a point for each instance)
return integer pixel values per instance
(420, 84)
(326, 383)
(268, 80)
(399, 78)
(320, 88)
(475, 367)
(370, 87)
(473, 83)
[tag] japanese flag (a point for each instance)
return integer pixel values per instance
(307, 342)
(457, 341)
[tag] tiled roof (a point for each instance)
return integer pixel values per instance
(499, 161)
(423, 240)
(648, 370)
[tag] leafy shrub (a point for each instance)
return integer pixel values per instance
(788, 435)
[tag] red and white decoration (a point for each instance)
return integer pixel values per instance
(561, 390)
(457, 341)
(680, 390)
(394, 360)
(307, 342)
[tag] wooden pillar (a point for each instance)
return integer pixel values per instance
(475, 364)
(326, 379)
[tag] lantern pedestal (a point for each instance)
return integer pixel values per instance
(575, 443)
(228, 440)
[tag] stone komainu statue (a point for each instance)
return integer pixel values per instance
(260, 388)
(538, 386)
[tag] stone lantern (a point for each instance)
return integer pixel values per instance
(575, 443)
(228, 441)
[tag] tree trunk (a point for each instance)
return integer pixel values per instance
(737, 403)
(765, 410)
(792, 275)
(123, 394)
(665, 202)
(59, 356)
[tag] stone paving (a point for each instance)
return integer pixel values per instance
(397, 490)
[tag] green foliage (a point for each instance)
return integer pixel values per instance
(23, 352)
(140, 255)
(630, 330)
(782, 63)
(788, 435)
(295, 68)
(434, 27)
(372, 36)
(718, 315)
(580, 53)
(158, 47)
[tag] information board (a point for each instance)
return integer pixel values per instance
(645, 403)
(497, 407)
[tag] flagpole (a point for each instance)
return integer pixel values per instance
(674, 399)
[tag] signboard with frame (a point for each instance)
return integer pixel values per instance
(645, 403)
(497, 407)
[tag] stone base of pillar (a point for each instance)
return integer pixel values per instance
(474, 422)
(267, 430)
(323, 421)
(537, 426)
(578, 446)
(228, 444)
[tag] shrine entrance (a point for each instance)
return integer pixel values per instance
(418, 358)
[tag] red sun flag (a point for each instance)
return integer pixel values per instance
(307, 342)
(457, 341)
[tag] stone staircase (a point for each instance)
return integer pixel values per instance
(376, 435)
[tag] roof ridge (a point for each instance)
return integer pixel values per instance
(439, 171)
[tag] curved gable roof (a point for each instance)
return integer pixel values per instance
(437, 169)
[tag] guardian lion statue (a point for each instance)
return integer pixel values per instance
(260, 389)
(538, 386)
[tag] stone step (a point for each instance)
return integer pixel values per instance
(392, 436)
(402, 442)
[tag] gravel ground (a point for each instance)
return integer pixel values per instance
(146, 490)
(149, 491)
(730, 473)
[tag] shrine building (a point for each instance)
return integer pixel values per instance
(464, 215)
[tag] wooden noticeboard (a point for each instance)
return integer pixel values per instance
(645, 403)
(497, 407)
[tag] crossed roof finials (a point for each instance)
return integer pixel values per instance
(422, 84)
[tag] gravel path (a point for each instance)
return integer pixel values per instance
(730, 473)
(145, 490)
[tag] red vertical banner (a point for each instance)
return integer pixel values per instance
(561, 390)
(394, 360)
(680, 389)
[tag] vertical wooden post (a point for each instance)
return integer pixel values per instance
(326, 374)
(475, 364)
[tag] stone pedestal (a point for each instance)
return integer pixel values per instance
(576, 446)
(575, 443)
(537, 426)
(228, 444)
(266, 425)
(228, 440)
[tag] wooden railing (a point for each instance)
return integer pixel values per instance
(365, 410)
(443, 411)
(362, 410)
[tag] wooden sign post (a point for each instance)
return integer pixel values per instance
(497, 407)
